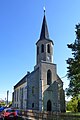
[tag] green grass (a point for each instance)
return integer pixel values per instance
(72, 113)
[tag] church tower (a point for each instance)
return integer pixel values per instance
(49, 96)
(47, 70)
(44, 44)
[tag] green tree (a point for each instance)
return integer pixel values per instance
(2, 103)
(74, 67)
(72, 105)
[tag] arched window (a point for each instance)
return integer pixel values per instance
(37, 50)
(42, 48)
(48, 48)
(49, 106)
(49, 77)
(33, 90)
(32, 105)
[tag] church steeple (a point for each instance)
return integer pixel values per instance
(44, 45)
(44, 31)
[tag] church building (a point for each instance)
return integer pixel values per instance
(41, 89)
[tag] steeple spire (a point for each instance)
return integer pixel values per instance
(44, 31)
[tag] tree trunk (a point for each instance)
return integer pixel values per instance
(78, 106)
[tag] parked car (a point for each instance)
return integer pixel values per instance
(2, 108)
(8, 114)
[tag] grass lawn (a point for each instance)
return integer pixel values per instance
(72, 113)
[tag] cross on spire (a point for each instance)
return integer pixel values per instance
(44, 10)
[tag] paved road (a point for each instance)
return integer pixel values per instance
(19, 118)
(24, 118)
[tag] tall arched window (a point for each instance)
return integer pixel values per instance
(48, 48)
(32, 105)
(42, 48)
(49, 106)
(49, 77)
(33, 90)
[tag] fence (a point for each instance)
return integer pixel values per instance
(37, 115)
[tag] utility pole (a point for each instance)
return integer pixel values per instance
(7, 96)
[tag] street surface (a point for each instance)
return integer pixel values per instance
(19, 118)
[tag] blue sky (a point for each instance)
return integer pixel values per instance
(20, 26)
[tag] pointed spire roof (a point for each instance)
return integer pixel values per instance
(44, 31)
